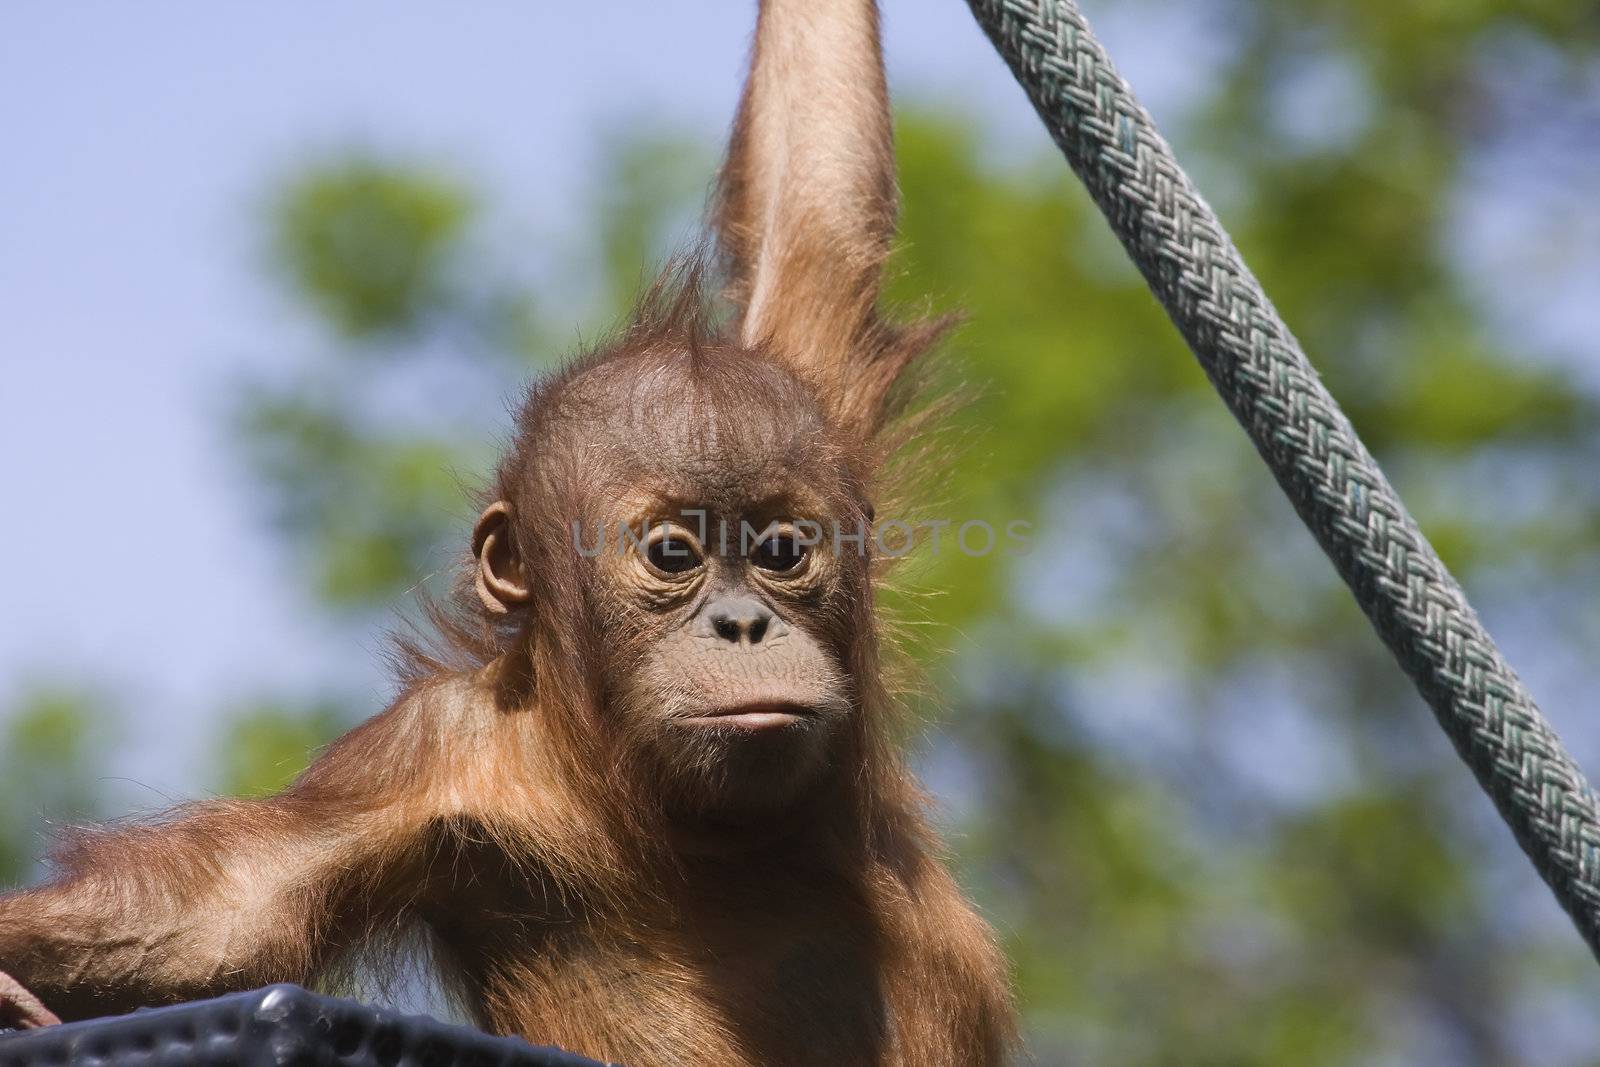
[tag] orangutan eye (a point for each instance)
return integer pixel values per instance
(673, 553)
(780, 553)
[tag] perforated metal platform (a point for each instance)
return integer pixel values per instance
(279, 1026)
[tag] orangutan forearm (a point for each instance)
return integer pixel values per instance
(210, 901)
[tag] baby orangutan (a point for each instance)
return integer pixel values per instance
(648, 809)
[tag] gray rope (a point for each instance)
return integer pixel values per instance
(1259, 369)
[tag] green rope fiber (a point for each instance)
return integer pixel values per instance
(1258, 367)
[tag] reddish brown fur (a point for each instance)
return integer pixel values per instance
(582, 875)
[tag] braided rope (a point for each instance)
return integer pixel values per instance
(1259, 369)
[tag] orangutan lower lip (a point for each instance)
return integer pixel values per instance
(752, 716)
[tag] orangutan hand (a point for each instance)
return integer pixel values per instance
(20, 1009)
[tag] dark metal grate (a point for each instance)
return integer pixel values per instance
(279, 1026)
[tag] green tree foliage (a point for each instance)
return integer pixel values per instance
(369, 246)
(1210, 819)
(267, 744)
(53, 747)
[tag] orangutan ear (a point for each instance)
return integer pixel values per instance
(501, 579)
